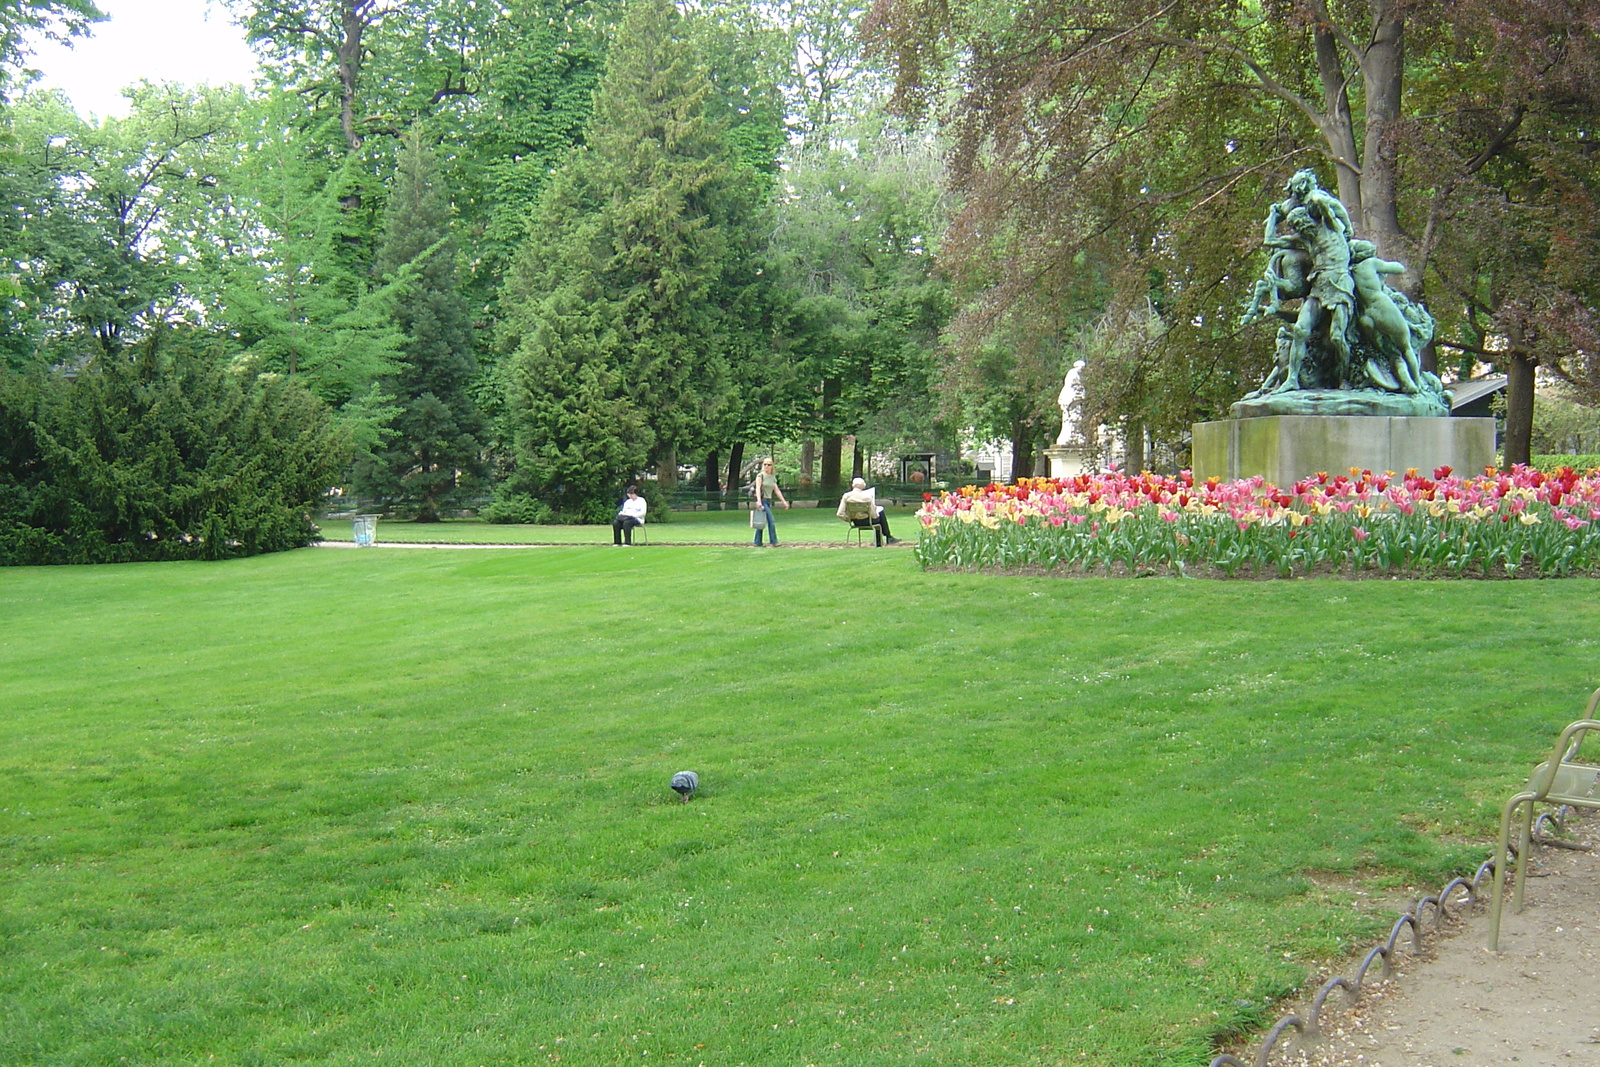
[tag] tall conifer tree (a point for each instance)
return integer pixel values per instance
(437, 429)
(663, 168)
(625, 268)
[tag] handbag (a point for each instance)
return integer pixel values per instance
(758, 517)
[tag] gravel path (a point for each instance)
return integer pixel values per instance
(1536, 1003)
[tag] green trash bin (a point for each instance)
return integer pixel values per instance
(365, 528)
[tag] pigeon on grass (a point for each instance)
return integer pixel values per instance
(684, 783)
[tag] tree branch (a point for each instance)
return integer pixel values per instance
(1499, 140)
(1319, 11)
(1473, 349)
(1268, 82)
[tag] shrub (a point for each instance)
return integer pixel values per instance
(157, 454)
(1551, 464)
(518, 508)
(593, 512)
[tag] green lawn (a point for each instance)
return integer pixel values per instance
(400, 807)
(796, 525)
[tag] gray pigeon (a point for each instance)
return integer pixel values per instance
(684, 783)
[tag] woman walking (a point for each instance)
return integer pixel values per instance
(766, 488)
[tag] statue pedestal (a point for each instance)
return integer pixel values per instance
(1286, 448)
(1067, 461)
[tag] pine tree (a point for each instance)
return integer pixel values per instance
(663, 168)
(575, 436)
(438, 428)
(649, 222)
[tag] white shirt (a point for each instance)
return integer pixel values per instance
(633, 507)
(861, 496)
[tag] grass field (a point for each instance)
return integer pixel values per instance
(402, 807)
(812, 526)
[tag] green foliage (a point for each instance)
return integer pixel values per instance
(435, 443)
(297, 308)
(574, 435)
(633, 292)
(159, 453)
(539, 81)
(50, 20)
(1552, 463)
(596, 511)
(519, 508)
(1562, 424)
(111, 230)
(857, 237)
(510, 85)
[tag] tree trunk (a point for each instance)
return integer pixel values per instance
(1382, 70)
(1428, 358)
(735, 463)
(1337, 123)
(354, 18)
(831, 443)
(858, 468)
(808, 458)
(667, 470)
(832, 447)
(1133, 447)
(709, 480)
(1519, 407)
(1021, 451)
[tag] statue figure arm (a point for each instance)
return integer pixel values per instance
(1275, 215)
(1337, 210)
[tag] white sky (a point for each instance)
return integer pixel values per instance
(188, 41)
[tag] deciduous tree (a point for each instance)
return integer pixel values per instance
(1147, 134)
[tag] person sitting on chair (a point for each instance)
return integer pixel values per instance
(631, 515)
(860, 495)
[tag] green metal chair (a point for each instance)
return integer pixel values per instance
(1561, 781)
(858, 513)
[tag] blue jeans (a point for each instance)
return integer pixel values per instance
(772, 527)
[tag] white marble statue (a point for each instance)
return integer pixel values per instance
(1071, 404)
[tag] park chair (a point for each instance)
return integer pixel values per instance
(859, 514)
(1561, 781)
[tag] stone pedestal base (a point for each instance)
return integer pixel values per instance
(1286, 448)
(1066, 461)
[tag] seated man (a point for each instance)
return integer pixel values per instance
(631, 515)
(859, 494)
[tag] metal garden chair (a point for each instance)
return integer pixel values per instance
(1563, 780)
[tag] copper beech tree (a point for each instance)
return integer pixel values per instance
(1110, 153)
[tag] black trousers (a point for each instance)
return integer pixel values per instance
(622, 527)
(880, 527)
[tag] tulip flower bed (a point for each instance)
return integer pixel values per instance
(1527, 523)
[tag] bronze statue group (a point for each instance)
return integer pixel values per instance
(1352, 331)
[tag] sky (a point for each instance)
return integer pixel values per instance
(188, 41)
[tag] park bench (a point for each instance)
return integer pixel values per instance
(1563, 780)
